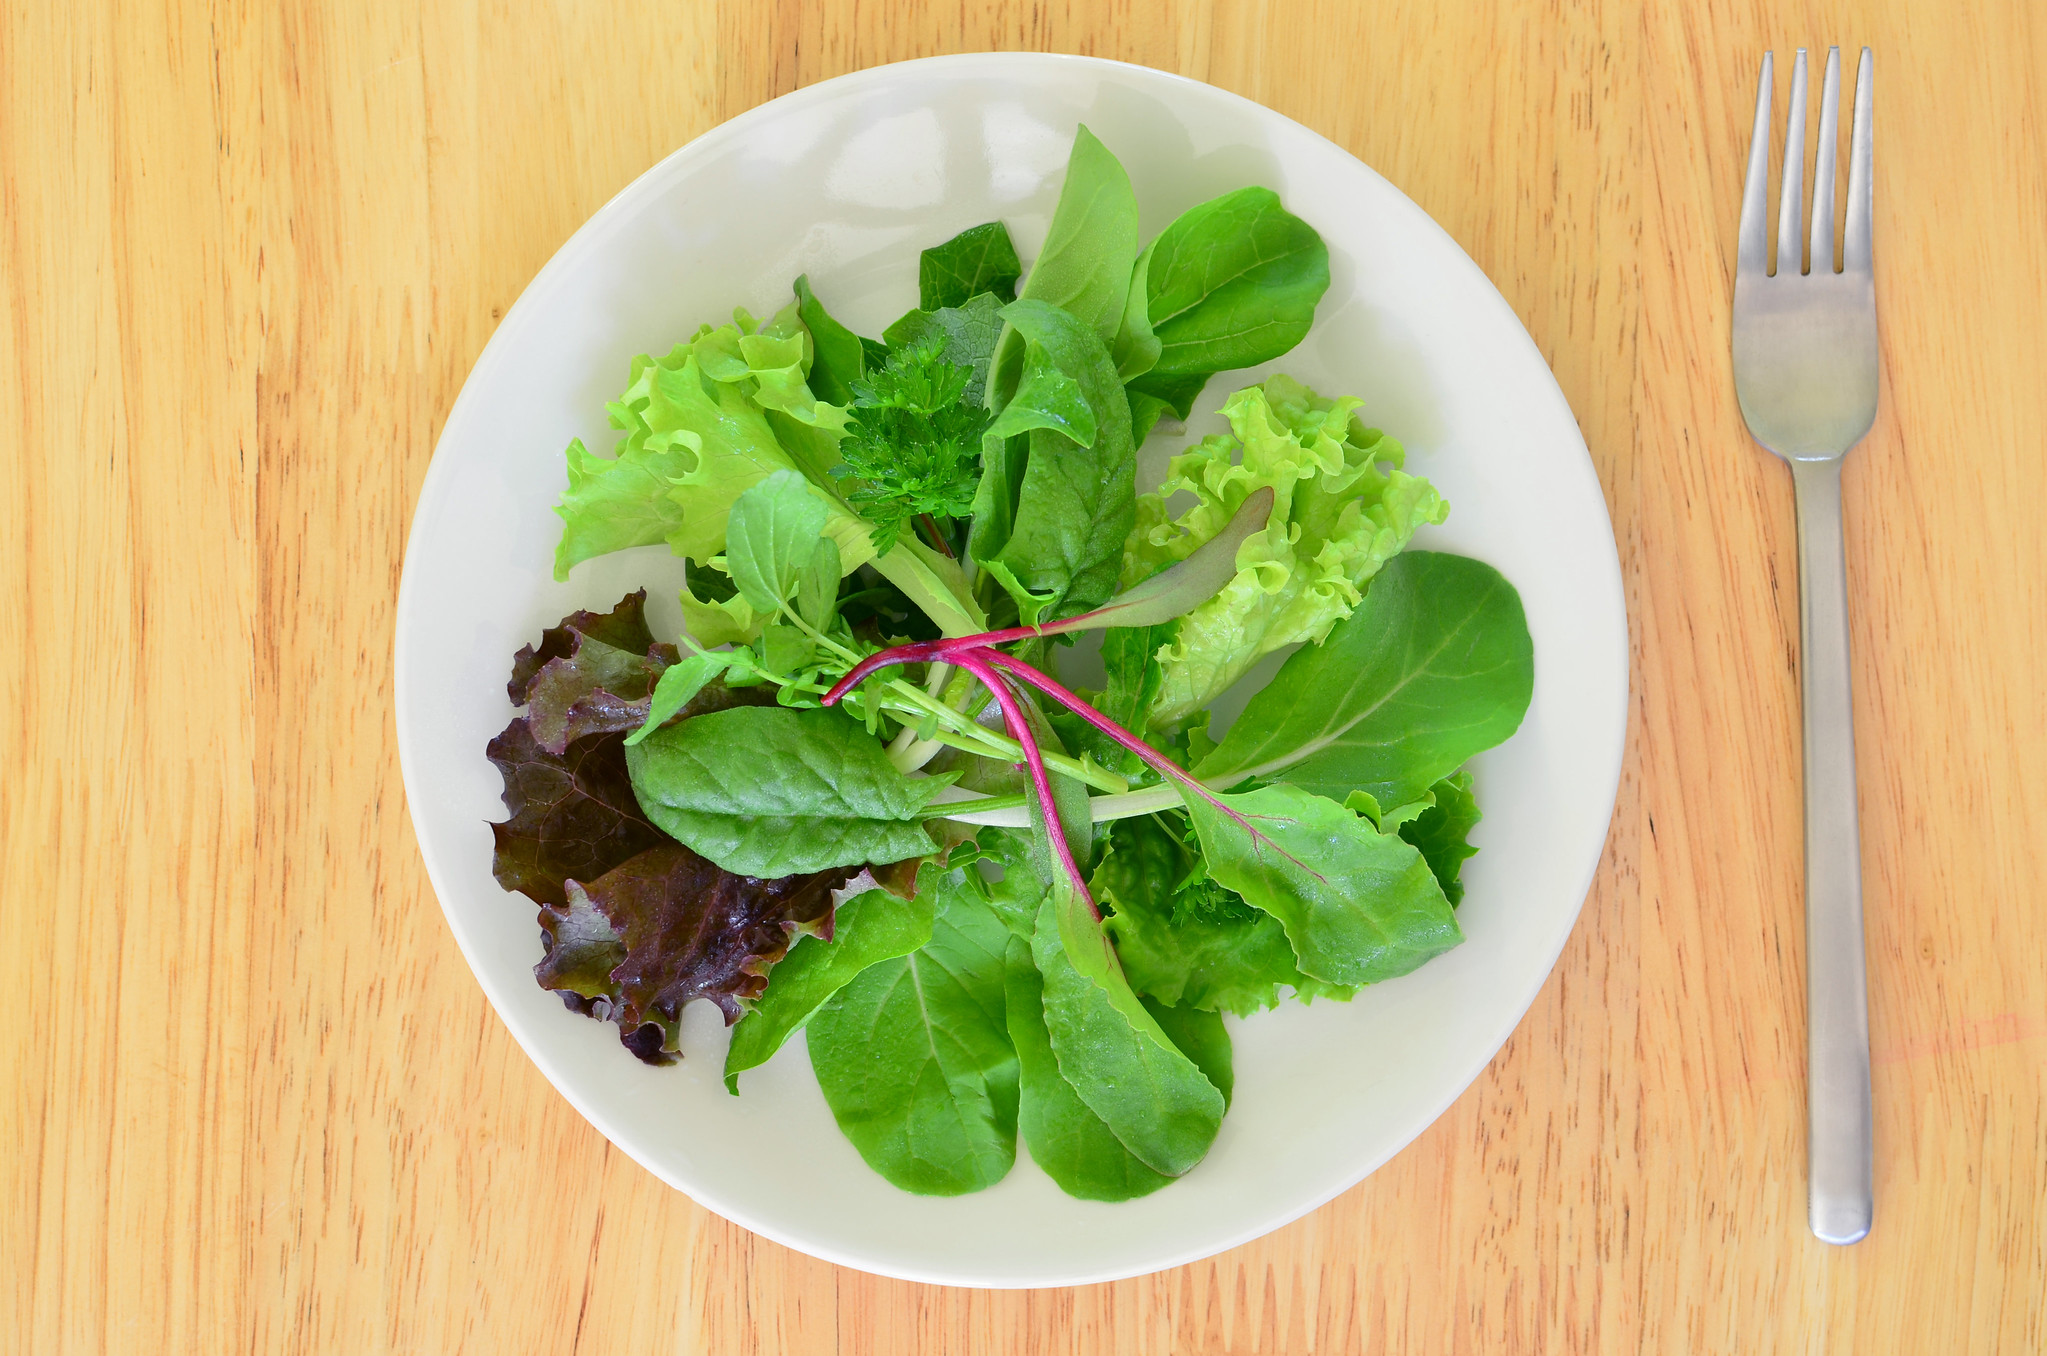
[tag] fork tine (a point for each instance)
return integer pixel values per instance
(1822, 237)
(1791, 188)
(1754, 250)
(1855, 247)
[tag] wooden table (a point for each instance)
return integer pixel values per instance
(253, 1100)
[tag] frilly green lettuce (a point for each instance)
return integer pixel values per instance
(1337, 517)
(703, 425)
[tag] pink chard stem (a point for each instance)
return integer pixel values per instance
(977, 663)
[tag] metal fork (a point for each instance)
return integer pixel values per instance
(1805, 365)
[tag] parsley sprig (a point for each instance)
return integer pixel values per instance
(913, 446)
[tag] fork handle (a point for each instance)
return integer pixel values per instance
(1839, 1147)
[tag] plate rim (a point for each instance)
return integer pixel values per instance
(590, 235)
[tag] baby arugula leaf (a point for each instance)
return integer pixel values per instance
(1072, 1144)
(1359, 906)
(914, 1056)
(767, 791)
(1441, 832)
(867, 929)
(1433, 666)
(1153, 1098)
(978, 260)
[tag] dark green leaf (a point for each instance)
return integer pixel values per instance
(1434, 665)
(1054, 536)
(914, 1057)
(1359, 906)
(767, 791)
(871, 927)
(1072, 1144)
(966, 335)
(1154, 1099)
(1232, 283)
(1202, 1037)
(978, 260)
(1441, 832)
(1186, 940)
(838, 356)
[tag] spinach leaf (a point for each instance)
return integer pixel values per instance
(767, 791)
(1071, 1143)
(966, 334)
(1182, 938)
(1084, 268)
(871, 927)
(914, 1057)
(1232, 283)
(1432, 666)
(978, 260)
(1441, 832)
(1202, 1037)
(771, 537)
(1053, 534)
(1359, 906)
(1123, 1066)
(838, 357)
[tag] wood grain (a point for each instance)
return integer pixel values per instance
(252, 1100)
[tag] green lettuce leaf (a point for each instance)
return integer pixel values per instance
(873, 926)
(1336, 519)
(914, 1056)
(978, 261)
(1358, 905)
(1433, 667)
(770, 791)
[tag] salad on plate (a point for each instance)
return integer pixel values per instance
(866, 796)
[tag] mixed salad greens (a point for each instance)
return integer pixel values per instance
(860, 801)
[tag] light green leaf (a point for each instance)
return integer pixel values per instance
(774, 791)
(914, 1057)
(869, 928)
(772, 535)
(679, 683)
(817, 584)
(1084, 268)
(614, 503)
(1336, 518)
(1359, 906)
(1202, 1037)
(1435, 665)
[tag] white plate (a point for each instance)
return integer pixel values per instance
(847, 180)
